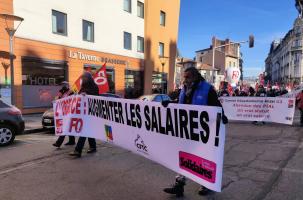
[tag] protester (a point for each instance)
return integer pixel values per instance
(223, 92)
(299, 100)
(64, 92)
(261, 91)
(89, 87)
(236, 93)
(196, 91)
(251, 92)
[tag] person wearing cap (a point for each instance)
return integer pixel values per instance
(64, 92)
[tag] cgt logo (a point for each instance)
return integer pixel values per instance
(141, 147)
(200, 167)
(108, 133)
(59, 126)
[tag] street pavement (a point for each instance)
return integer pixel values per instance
(261, 162)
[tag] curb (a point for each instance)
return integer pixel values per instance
(35, 130)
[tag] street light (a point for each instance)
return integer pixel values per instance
(250, 41)
(163, 60)
(11, 30)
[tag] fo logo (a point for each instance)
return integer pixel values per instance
(59, 126)
(108, 133)
(141, 147)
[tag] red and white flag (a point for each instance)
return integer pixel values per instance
(100, 79)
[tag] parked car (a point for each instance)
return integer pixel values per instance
(48, 115)
(11, 123)
(155, 97)
(48, 119)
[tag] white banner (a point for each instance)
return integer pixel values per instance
(185, 138)
(266, 109)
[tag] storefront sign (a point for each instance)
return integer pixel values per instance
(83, 56)
(187, 139)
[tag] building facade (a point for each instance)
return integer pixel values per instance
(224, 57)
(58, 40)
(284, 63)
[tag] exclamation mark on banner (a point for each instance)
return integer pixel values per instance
(84, 108)
(218, 129)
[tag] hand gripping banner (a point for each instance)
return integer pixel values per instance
(187, 139)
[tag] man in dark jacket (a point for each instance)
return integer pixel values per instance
(196, 91)
(88, 87)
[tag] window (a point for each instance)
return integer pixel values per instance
(162, 18)
(88, 31)
(59, 21)
(127, 41)
(134, 82)
(161, 49)
(140, 44)
(128, 6)
(41, 79)
(140, 8)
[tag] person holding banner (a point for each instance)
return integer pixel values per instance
(64, 92)
(196, 91)
(88, 87)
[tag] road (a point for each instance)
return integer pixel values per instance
(261, 162)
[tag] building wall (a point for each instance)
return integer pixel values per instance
(155, 33)
(284, 63)
(30, 48)
(109, 18)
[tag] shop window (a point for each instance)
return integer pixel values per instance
(134, 83)
(59, 22)
(88, 31)
(110, 73)
(159, 83)
(41, 80)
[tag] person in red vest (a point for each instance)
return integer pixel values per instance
(299, 100)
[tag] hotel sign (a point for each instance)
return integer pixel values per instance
(83, 56)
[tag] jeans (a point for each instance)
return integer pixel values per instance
(81, 142)
(61, 139)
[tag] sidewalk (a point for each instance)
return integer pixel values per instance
(33, 123)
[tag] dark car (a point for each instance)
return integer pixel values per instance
(48, 119)
(11, 123)
(48, 116)
(155, 97)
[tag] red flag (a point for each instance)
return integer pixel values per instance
(101, 79)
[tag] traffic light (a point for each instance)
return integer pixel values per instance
(251, 41)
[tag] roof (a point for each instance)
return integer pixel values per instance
(205, 66)
(207, 49)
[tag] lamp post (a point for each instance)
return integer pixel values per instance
(11, 30)
(251, 41)
(163, 60)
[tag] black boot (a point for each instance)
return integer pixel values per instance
(177, 188)
(203, 191)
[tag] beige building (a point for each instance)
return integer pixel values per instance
(224, 57)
